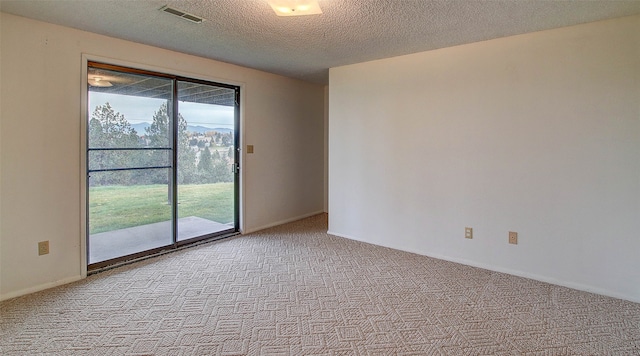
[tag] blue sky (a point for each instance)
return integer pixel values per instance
(139, 109)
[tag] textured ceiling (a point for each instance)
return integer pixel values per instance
(248, 33)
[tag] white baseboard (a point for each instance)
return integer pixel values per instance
(550, 280)
(299, 217)
(39, 288)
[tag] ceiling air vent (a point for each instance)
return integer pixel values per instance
(182, 14)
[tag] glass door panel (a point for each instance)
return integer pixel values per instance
(129, 160)
(206, 160)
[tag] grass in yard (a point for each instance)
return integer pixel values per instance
(119, 207)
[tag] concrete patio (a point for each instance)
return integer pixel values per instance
(117, 243)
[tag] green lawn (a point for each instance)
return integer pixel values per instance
(118, 207)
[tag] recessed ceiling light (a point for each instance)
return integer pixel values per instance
(295, 7)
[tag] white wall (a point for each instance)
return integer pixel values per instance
(40, 151)
(537, 133)
(326, 149)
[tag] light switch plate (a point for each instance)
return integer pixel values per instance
(43, 248)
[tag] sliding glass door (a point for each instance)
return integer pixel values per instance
(206, 159)
(161, 162)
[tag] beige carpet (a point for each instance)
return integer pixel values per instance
(294, 290)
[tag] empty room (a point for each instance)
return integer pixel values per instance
(330, 177)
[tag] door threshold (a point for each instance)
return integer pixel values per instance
(130, 259)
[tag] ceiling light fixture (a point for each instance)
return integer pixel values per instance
(98, 82)
(295, 7)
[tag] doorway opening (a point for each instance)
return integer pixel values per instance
(162, 162)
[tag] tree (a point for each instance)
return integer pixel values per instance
(186, 156)
(159, 132)
(227, 139)
(221, 168)
(205, 166)
(159, 135)
(110, 129)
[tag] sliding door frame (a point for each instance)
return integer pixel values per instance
(111, 64)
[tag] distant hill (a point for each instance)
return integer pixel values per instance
(222, 130)
(203, 129)
(140, 128)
